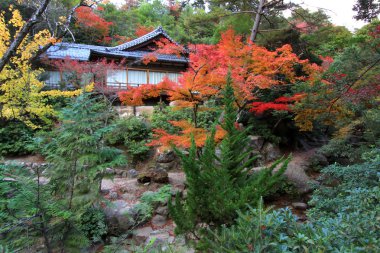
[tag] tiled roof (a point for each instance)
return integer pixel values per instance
(67, 50)
(83, 52)
(140, 54)
(142, 39)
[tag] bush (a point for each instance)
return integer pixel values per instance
(133, 133)
(205, 118)
(15, 138)
(93, 224)
(344, 219)
(351, 191)
(149, 200)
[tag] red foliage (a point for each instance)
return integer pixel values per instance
(260, 107)
(166, 140)
(86, 17)
(142, 30)
(79, 70)
(252, 68)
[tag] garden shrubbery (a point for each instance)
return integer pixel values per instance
(15, 138)
(133, 133)
(345, 218)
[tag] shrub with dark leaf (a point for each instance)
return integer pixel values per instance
(133, 133)
(15, 138)
(93, 224)
(345, 218)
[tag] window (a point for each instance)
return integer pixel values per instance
(53, 78)
(117, 78)
(173, 77)
(156, 77)
(137, 77)
(133, 77)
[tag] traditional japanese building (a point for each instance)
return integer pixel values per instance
(133, 72)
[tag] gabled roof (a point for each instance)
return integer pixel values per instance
(143, 39)
(83, 52)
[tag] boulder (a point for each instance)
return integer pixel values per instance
(160, 238)
(132, 173)
(270, 152)
(166, 157)
(157, 175)
(162, 210)
(141, 235)
(120, 217)
(255, 142)
(144, 178)
(299, 205)
(159, 220)
(166, 166)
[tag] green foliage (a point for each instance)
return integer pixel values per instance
(27, 209)
(352, 184)
(150, 200)
(344, 219)
(93, 224)
(357, 138)
(15, 138)
(161, 118)
(219, 185)
(78, 156)
(133, 133)
(205, 118)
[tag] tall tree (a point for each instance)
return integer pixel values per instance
(367, 10)
(220, 185)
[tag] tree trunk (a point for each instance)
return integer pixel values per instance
(43, 228)
(23, 33)
(60, 35)
(256, 24)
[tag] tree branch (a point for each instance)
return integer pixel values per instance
(23, 33)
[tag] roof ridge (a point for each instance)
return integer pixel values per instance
(159, 30)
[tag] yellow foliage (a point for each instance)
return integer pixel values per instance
(21, 97)
(73, 93)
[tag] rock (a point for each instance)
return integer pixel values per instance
(144, 178)
(120, 217)
(160, 238)
(141, 235)
(119, 172)
(158, 220)
(110, 171)
(162, 210)
(270, 152)
(128, 197)
(166, 166)
(132, 173)
(156, 175)
(166, 157)
(113, 195)
(124, 174)
(255, 142)
(299, 205)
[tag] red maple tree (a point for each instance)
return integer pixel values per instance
(253, 69)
